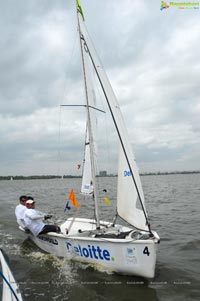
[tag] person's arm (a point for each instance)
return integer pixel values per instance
(35, 215)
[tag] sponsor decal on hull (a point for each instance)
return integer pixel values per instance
(48, 239)
(130, 255)
(89, 251)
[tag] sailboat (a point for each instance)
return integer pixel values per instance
(129, 249)
(10, 290)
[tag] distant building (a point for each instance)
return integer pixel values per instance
(103, 173)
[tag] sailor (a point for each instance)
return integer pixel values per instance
(20, 209)
(34, 220)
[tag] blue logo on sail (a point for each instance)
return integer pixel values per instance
(87, 186)
(127, 173)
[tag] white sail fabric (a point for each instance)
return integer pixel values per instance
(125, 201)
(128, 203)
(87, 186)
(90, 156)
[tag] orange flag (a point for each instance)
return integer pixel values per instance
(72, 198)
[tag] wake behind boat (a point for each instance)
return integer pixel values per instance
(10, 287)
(123, 249)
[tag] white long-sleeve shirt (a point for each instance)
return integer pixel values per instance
(19, 213)
(34, 220)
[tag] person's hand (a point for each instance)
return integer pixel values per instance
(47, 216)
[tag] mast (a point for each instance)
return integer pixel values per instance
(88, 109)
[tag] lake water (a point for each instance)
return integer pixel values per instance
(173, 204)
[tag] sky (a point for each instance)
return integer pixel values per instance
(151, 57)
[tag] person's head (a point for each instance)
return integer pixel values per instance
(30, 203)
(23, 199)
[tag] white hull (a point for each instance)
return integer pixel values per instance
(10, 287)
(135, 254)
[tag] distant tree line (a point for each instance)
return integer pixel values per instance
(38, 177)
(35, 177)
(170, 173)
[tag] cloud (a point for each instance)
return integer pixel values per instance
(151, 58)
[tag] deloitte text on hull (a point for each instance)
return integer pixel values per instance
(90, 251)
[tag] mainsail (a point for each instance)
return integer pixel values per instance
(90, 165)
(87, 183)
(90, 154)
(129, 188)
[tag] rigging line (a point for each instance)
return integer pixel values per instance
(68, 64)
(62, 99)
(107, 128)
(120, 138)
(75, 215)
(86, 106)
(59, 141)
(9, 285)
(108, 150)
